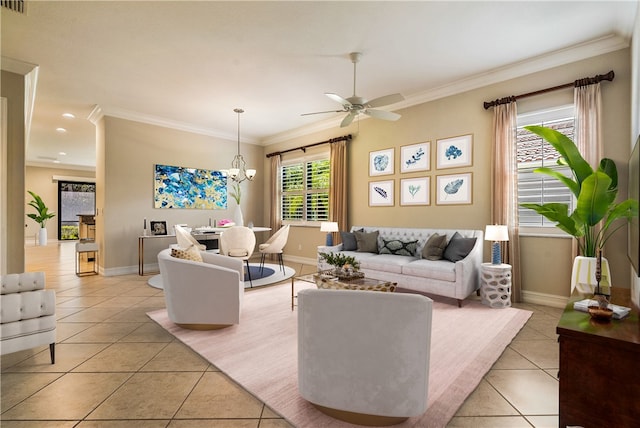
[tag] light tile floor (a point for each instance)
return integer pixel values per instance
(116, 368)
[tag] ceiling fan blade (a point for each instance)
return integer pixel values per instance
(386, 100)
(348, 119)
(339, 99)
(320, 112)
(382, 114)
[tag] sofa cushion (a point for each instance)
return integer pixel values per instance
(190, 253)
(398, 247)
(443, 270)
(367, 241)
(434, 248)
(386, 263)
(458, 248)
(349, 242)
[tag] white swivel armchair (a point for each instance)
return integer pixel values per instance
(363, 356)
(274, 245)
(27, 314)
(238, 242)
(203, 295)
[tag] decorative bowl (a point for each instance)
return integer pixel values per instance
(600, 314)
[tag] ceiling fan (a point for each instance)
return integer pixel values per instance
(354, 105)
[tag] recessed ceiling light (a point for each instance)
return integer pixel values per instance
(56, 161)
(69, 115)
(62, 153)
(61, 130)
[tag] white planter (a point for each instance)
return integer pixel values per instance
(583, 274)
(238, 219)
(42, 236)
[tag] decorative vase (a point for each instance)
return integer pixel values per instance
(583, 274)
(42, 236)
(238, 219)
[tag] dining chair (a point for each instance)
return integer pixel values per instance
(274, 245)
(238, 242)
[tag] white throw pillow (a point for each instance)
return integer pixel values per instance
(185, 239)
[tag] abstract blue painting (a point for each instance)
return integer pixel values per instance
(182, 188)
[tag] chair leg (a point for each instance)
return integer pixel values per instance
(52, 352)
(281, 261)
(249, 273)
(262, 264)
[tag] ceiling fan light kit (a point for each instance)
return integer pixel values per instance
(355, 105)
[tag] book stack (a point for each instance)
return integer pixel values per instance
(619, 312)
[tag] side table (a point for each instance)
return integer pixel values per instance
(495, 285)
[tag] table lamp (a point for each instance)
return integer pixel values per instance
(497, 234)
(329, 227)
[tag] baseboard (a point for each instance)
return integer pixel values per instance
(551, 300)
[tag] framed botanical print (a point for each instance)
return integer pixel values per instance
(381, 193)
(415, 191)
(454, 152)
(416, 157)
(381, 162)
(454, 189)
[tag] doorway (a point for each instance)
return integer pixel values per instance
(76, 208)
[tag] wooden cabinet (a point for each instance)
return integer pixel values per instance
(599, 367)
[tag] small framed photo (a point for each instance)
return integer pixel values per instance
(454, 189)
(415, 191)
(381, 162)
(416, 157)
(454, 152)
(381, 193)
(158, 227)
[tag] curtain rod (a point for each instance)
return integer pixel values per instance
(578, 83)
(304, 148)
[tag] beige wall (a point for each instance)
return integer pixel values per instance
(12, 89)
(130, 151)
(547, 268)
(40, 181)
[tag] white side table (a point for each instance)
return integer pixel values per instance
(495, 285)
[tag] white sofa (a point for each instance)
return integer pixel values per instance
(202, 295)
(27, 313)
(439, 277)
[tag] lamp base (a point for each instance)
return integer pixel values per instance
(496, 257)
(329, 241)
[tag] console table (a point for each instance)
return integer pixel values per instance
(599, 366)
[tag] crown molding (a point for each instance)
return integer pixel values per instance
(173, 124)
(589, 49)
(16, 66)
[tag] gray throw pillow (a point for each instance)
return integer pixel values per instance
(434, 248)
(367, 241)
(349, 242)
(458, 248)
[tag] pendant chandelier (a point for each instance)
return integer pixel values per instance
(238, 171)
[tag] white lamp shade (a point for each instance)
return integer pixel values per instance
(233, 172)
(329, 226)
(250, 173)
(496, 232)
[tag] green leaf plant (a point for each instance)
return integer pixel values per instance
(43, 213)
(339, 260)
(592, 221)
(236, 192)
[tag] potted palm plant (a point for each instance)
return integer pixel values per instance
(597, 215)
(42, 215)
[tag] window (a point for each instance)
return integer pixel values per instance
(304, 191)
(533, 152)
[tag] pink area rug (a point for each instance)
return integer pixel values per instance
(261, 353)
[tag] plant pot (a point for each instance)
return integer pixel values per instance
(42, 236)
(583, 274)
